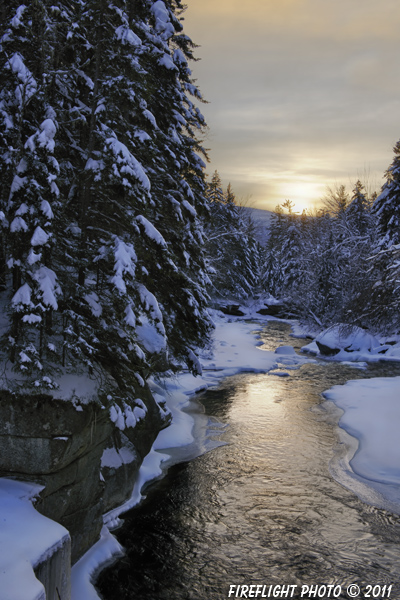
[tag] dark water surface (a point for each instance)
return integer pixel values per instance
(262, 509)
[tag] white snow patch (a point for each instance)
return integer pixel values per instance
(17, 19)
(149, 337)
(25, 538)
(28, 86)
(179, 57)
(83, 571)
(141, 135)
(117, 417)
(74, 387)
(17, 183)
(33, 257)
(113, 458)
(125, 263)
(22, 296)
(46, 136)
(18, 224)
(150, 117)
(347, 338)
(93, 300)
(130, 318)
(287, 350)
(167, 62)
(355, 346)
(47, 280)
(31, 319)
(149, 302)
(46, 209)
(23, 209)
(189, 207)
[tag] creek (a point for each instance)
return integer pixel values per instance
(263, 508)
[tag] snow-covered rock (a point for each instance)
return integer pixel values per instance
(285, 350)
(345, 337)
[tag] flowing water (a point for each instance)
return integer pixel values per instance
(262, 509)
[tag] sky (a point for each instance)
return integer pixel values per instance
(302, 94)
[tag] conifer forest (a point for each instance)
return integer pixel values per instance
(113, 242)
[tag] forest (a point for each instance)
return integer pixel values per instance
(341, 264)
(113, 243)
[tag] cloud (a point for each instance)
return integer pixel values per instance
(297, 88)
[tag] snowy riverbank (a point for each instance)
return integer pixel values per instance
(368, 459)
(236, 348)
(28, 539)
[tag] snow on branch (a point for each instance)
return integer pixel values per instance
(47, 281)
(127, 163)
(151, 231)
(150, 303)
(28, 86)
(22, 297)
(163, 25)
(125, 263)
(125, 35)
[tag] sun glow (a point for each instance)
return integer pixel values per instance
(305, 195)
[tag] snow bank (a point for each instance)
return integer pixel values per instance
(26, 537)
(348, 338)
(349, 344)
(371, 417)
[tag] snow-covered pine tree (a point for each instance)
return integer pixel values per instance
(29, 188)
(383, 307)
(356, 248)
(358, 211)
(126, 234)
(30, 248)
(141, 180)
(233, 252)
(386, 207)
(271, 274)
(177, 179)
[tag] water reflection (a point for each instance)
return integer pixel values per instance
(262, 509)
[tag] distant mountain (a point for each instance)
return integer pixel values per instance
(262, 220)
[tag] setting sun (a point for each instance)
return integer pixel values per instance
(304, 194)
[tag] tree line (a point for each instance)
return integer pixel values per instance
(341, 264)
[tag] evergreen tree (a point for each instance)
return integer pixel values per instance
(383, 307)
(233, 252)
(386, 207)
(29, 189)
(100, 138)
(358, 213)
